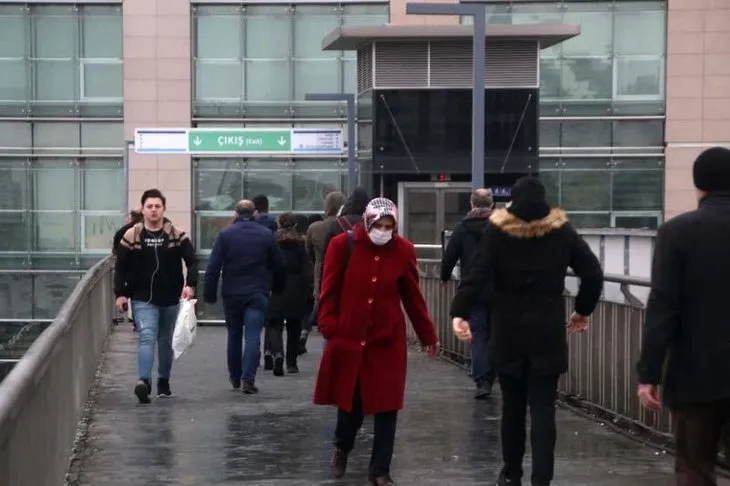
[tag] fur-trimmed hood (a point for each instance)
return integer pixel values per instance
(289, 237)
(514, 226)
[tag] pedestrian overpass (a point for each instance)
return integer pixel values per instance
(67, 412)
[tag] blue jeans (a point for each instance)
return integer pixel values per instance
(245, 318)
(155, 324)
(479, 325)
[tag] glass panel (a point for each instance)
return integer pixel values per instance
(102, 135)
(209, 227)
(103, 185)
(456, 205)
(54, 231)
(273, 179)
(636, 222)
(55, 81)
(55, 30)
(637, 190)
(272, 23)
(311, 25)
(102, 80)
(54, 185)
(268, 80)
(365, 14)
(102, 35)
(587, 78)
(639, 32)
(99, 230)
(349, 67)
(645, 133)
(586, 190)
(219, 36)
(218, 80)
(420, 208)
(639, 77)
(218, 190)
(55, 134)
(316, 77)
(550, 78)
(551, 181)
(586, 134)
(13, 188)
(13, 231)
(14, 81)
(50, 292)
(16, 295)
(596, 33)
(312, 182)
(13, 33)
(590, 220)
(549, 133)
(15, 134)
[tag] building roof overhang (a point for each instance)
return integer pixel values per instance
(354, 37)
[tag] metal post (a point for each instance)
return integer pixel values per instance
(478, 11)
(349, 98)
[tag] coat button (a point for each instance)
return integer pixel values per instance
(362, 343)
(377, 258)
(370, 301)
(375, 279)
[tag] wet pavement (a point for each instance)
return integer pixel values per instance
(209, 434)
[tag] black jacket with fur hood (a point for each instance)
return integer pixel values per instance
(527, 260)
(295, 302)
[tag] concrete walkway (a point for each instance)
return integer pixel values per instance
(211, 435)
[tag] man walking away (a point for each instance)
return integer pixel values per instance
(252, 267)
(134, 217)
(526, 251)
(149, 271)
(314, 241)
(261, 204)
(686, 343)
(464, 241)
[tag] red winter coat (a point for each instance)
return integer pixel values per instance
(363, 321)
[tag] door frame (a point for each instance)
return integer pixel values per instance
(439, 188)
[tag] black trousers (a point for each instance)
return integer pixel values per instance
(384, 424)
(540, 393)
(701, 429)
(275, 328)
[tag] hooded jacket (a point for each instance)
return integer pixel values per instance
(464, 240)
(295, 298)
(317, 233)
(526, 252)
(267, 221)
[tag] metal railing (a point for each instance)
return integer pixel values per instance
(601, 377)
(42, 398)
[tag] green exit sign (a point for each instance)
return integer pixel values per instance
(239, 141)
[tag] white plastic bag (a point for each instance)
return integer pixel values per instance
(186, 326)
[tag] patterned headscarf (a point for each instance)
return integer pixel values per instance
(379, 208)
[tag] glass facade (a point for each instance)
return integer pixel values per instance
(602, 108)
(240, 80)
(62, 177)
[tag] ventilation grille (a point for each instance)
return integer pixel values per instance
(401, 65)
(364, 69)
(509, 64)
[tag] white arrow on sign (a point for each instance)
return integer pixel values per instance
(197, 141)
(282, 141)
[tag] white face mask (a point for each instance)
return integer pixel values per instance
(379, 237)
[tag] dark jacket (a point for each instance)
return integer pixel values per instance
(267, 221)
(295, 300)
(317, 233)
(463, 244)
(119, 235)
(687, 323)
(251, 262)
(528, 262)
(149, 264)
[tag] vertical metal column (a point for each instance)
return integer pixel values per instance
(478, 12)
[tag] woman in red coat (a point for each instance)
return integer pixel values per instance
(363, 369)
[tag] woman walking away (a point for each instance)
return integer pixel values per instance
(290, 307)
(367, 273)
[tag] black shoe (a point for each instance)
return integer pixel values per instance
(163, 388)
(249, 388)
(279, 366)
(302, 348)
(483, 391)
(235, 383)
(143, 389)
(339, 463)
(268, 362)
(292, 369)
(505, 481)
